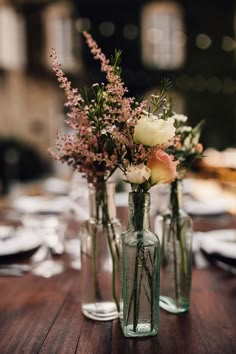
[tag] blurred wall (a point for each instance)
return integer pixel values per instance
(204, 80)
(191, 42)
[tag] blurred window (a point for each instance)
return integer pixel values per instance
(12, 39)
(60, 34)
(235, 33)
(163, 37)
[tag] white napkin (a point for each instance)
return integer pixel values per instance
(121, 199)
(28, 204)
(57, 205)
(222, 242)
(206, 207)
(56, 186)
(22, 240)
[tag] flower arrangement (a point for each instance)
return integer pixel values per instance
(97, 115)
(153, 132)
(186, 147)
(186, 150)
(144, 164)
(176, 224)
(93, 113)
(113, 130)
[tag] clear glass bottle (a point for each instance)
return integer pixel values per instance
(100, 255)
(140, 268)
(175, 230)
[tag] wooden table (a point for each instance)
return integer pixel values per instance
(39, 315)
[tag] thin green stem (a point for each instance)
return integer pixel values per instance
(139, 292)
(113, 270)
(135, 309)
(179, 228)
(143, 264)
(147, 295)
(150, 257)
(177, 237)
(94, 260)
(108, 224)
(175, 268)
(183, 250)
(151, 304)
(130, 305)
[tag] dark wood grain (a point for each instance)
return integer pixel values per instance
(44, 316)
(95, 337)
(63, 336)
(28, 309)
(39, 315)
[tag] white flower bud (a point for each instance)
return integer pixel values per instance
(180, 117)
(138, 174)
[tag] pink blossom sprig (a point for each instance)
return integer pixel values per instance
(102, 118)
(124, 111)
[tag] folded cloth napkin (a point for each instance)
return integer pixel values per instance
(56, 186)
(216, 245)
(21, 240)
(52, 205)
(28, 204)
(206, 207)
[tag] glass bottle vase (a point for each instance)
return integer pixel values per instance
(100, 255)
(140, 268)
(175, 228)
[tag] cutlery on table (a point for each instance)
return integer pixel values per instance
(14, 269)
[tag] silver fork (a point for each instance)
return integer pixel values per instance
(14, 272)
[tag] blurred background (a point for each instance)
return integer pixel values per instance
(191, 42)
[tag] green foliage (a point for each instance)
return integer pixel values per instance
(161, 102)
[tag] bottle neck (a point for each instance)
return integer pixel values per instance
(102, 201)
(139, 207)
(176, 196)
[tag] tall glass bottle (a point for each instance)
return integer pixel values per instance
(175, 228)
(100, 255)
(139, 271)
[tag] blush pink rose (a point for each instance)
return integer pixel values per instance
(163, 167)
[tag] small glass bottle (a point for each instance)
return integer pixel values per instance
(140, 268)
(175, 228)
(100, 255)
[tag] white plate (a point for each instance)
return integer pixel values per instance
(121, 199)
(56, 186)
(21, 241)
(208, 207)
(222, 242)
(28, 204)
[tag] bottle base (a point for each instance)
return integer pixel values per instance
(100, 311)
(142, 330)
(170, 305)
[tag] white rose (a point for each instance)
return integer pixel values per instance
(138, 174)
(152, 131)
